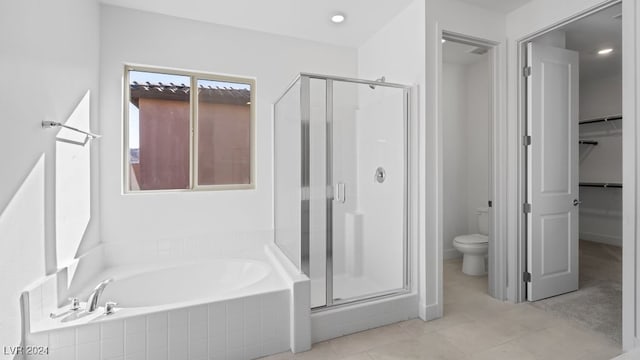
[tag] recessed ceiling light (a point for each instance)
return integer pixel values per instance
(444, 41)
(337, 18)
(605, 51)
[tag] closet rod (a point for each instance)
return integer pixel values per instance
(588, 142)
(604, 119)
(602, 185)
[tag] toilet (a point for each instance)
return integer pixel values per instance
(474, 247)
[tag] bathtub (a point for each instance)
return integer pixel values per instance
(188, 283)
(232, 308)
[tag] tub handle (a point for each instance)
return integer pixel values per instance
(341, 195)
(75, 303)
(110, 307)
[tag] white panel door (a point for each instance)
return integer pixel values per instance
(552, 115)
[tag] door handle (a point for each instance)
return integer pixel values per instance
(576, 202)
(341, 195)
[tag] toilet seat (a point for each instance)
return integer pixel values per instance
(471, 239)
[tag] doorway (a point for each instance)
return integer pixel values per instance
(467, 123)
(573, 141)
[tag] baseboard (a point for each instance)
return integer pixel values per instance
(332, 323)
(601, 238)
(451, 254)
(429, 312)
(630, 355)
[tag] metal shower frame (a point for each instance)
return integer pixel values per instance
(305, 110)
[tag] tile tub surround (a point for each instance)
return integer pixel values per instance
(242, 328)
(239, 322)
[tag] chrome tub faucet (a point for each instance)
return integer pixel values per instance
(92, 302)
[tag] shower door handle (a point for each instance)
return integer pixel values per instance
(341, 195)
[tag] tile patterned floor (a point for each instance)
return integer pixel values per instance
(475, 327)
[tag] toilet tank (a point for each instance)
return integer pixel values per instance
(483, 220)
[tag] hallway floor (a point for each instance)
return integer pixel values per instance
(475, 326)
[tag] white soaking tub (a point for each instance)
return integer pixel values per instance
(184, 283)
(233, 308)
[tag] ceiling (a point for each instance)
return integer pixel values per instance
(503, 6)
(306, 19)
(593, 33)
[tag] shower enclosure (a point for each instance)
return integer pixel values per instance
(341, 186)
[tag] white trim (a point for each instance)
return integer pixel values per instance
(430, 312)
(630, 138)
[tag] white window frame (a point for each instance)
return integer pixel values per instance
(194, 76)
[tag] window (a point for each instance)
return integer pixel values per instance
(179, 139)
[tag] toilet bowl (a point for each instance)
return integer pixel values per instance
(474, 247)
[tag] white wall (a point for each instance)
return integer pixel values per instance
(601, 209)
(242, 218)
(455, 107)
(49, 63)
(478, 132)
(397, 51)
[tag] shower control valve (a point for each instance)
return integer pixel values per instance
(381, 175)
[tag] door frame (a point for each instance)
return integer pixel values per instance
(630, 66)
(497, 269)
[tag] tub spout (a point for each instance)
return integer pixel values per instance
(92, 302)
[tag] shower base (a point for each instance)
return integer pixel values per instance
(345, 287)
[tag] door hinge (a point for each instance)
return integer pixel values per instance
(490, 203)
(526, 276)
(526, 140)
(526, 71)
(526, 208)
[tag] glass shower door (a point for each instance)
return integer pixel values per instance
(366, 212)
